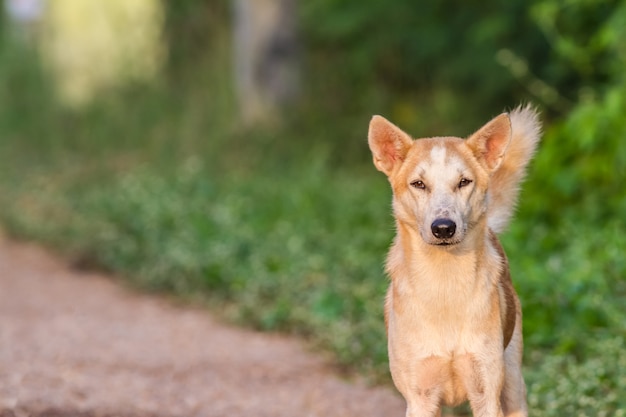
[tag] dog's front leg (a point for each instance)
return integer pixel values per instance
(423, 409)
(483, 377)
(421, 383)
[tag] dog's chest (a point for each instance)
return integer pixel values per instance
(440, 309)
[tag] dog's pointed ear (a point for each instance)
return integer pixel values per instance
(490, 142)
(388, 143)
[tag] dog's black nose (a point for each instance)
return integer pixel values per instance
(443, 228)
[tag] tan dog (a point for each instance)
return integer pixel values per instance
(453, 319)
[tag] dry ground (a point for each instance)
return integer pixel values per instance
(78, 344)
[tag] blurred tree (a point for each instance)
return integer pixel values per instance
(583, 158)
(25, 18)
(90, 45)
(193, 30)
(429, 59)
(266, 57)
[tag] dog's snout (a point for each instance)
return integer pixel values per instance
(443, 228)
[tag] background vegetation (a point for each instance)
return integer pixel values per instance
(286, 227)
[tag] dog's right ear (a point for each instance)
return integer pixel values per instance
(388, 143)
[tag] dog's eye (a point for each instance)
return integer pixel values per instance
(464, 182)
(418, 184)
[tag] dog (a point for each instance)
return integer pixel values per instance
(453, 319)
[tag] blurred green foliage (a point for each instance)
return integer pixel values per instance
(588, 144)
(286, 228)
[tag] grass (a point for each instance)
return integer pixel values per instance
(273, 229)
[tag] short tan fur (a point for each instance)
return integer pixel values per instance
(453, 319)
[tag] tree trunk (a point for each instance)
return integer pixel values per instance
(266, 58)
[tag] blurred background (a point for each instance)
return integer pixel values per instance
(217, 150)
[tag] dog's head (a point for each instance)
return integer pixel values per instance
(439, 184)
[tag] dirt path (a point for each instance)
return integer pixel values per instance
(76, 344)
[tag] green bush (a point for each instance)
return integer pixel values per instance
(563, 385)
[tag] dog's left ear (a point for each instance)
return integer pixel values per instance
(490, 142)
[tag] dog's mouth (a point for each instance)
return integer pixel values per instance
(445, 243)
(442, 243)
